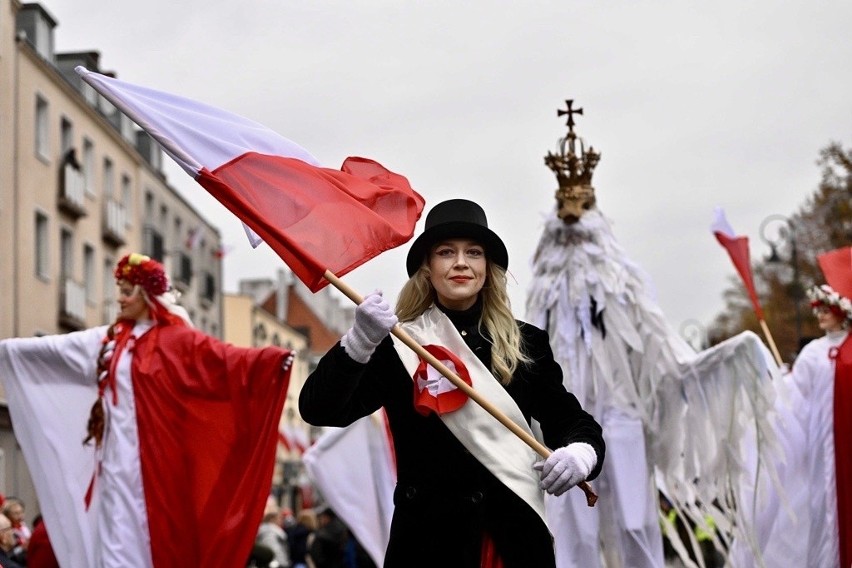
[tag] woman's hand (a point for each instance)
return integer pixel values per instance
(566, 467)
(374, 319)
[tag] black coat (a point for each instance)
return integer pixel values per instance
(445, 498)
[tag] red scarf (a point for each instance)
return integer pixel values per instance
(843, 445)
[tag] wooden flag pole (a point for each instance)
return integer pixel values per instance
(540, 449)
(771, 342)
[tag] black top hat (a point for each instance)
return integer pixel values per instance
(452, 219)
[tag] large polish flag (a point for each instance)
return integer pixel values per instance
(314, 218)
(737, 247)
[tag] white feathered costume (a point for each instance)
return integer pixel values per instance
(672, 418)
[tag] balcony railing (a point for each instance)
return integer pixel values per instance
(72, 304)
(154, 245)
(115, 222)
(72, 191)
(183, 272)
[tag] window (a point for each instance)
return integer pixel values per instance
(109, 182)
(89, 275)
(89, 166)
(67, 135)
(110, 304)
(66, 253)
(41, 245)
(149, 206)
(42, 131)
(127, 199)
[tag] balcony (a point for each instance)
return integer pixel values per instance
(208, 289)
(72, 305)
(153, 243)
(183, 275)
(72, 189)
(115, 223)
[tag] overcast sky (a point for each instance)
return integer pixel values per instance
(692, 105)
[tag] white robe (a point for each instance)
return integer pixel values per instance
(798, 526)
(51, 385)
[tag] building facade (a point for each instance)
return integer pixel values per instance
(80, 186)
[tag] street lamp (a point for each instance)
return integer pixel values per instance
(786, 231)
(694, 333)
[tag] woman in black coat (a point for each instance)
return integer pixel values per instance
(468, 491)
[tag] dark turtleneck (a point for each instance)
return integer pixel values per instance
(467, 324)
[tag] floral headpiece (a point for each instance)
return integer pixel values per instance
(143, 271)
(825, 297)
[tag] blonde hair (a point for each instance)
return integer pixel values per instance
(507, 351)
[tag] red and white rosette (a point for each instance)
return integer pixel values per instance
(433, 392)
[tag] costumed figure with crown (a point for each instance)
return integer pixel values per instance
(670, 416)
(181, 436)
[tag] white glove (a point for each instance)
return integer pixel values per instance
(566, 467)
(373, 321)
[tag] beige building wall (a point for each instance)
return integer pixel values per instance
(67, 217)
(7, 125)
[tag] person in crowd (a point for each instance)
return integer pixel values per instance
(15, 510)
(469, 492)
(299, 535)
(146, 437)
(7, 543)
(327, 548)
(271, 535)
(40, 552)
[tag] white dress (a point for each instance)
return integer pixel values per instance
(796, 519)
(51, 385)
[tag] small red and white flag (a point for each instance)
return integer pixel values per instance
(314, 218)
(193, 238)
(293, 438)
(434, 392)
(220, 251)
(737, 247)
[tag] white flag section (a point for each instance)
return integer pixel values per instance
(354, 469)
(193, 134)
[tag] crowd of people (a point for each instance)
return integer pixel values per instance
(314, 538)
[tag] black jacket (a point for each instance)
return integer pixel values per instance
(445, 498)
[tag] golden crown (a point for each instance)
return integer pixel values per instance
(574, 167)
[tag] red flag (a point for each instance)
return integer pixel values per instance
(836, 265)
(314, 218)
(737, 247)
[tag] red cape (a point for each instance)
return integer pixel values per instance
(843, 447)
(208, 415)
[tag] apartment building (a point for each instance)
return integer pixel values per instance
(80, 186)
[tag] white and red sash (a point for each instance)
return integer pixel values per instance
(505, 455)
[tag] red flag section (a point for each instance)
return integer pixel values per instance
(318, 219)
(737, 247)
